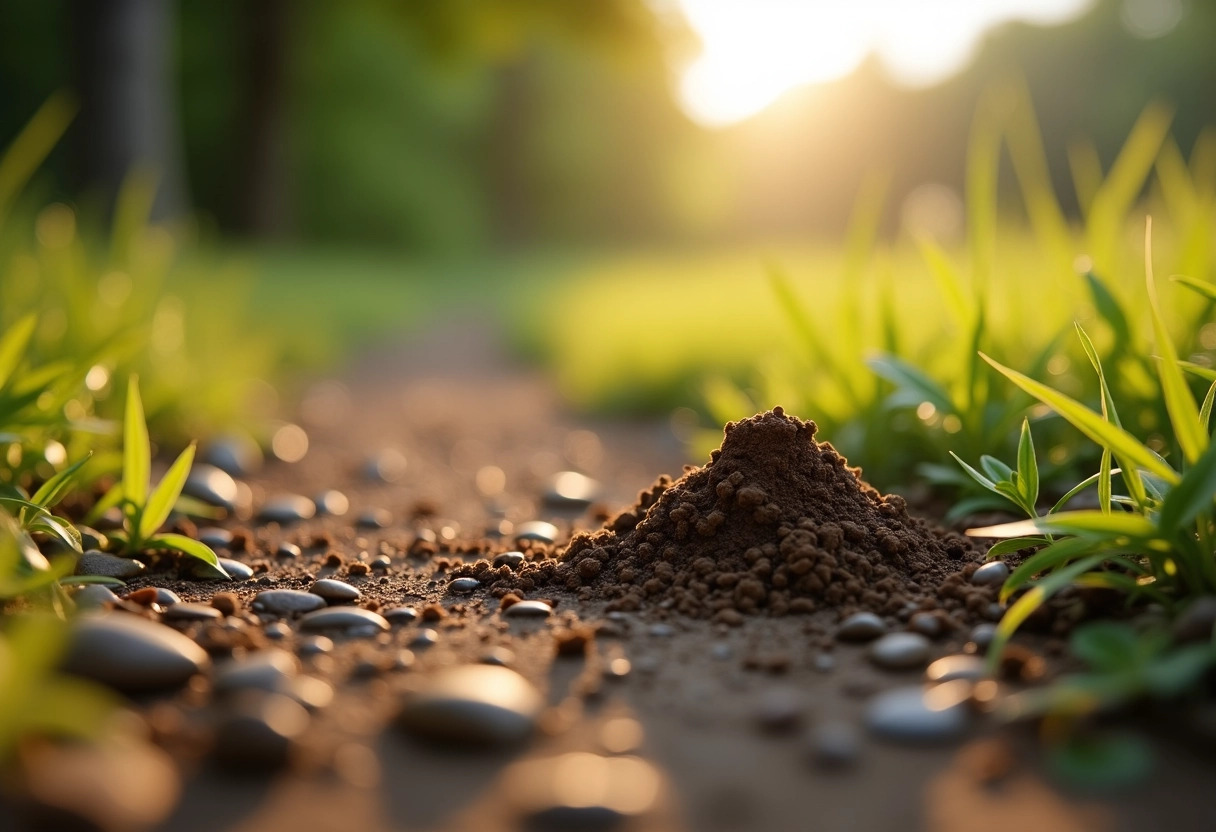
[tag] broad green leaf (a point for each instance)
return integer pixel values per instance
(996, 469)
(53, 490)
(136, 451)
(188, 546)
(1123, 524)
(12, 346)
(160, 504)
(1105, 645)
(1179, 670)
(1184, 416)
(1028, 466)
(1208, 290)
(1058, 554)
(1193, 495)
(61, 530)
(1121, 443)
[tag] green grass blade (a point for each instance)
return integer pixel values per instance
(948, 280)
(1028, 466)
(136, 450)
(160, 504)
(1123, 524)
(1110, 310)
(913, 385)
(32, 145)
(1208, 290)
(1104, 482)
(1205, 412)
(1015, 544)
(1108, 402)
(12, 346)
(975, 475)
(1193, 495)
(54, 489)
(59, 529)
(1078, 488)
(111, 498)
(997, 470)
(188, 546)
(1198, 370)
(1121, 443)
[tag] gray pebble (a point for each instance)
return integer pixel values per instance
(265, 670)
(528, 609)
(276, 631)
(332, 502)
(287, 601)
(900, 651)
(108, 566)
(473, 705)
(661, 630)
(381, 562)
(500, 656)
(212, 485)
(571, 490)
(287, 508)
(374, 518)
(235, 455)
(825, 662)
(287, 551)
(992, 573)
(92, 596)
(426, 637)
(215, 537)
(259, 732)
(511, 560)
(779, 710)
(834, 744)
(904, 715)
(401, 615)
(315, 645)
(925, 623)
(721, 652)
(861, 626)
(335, 591)
(352, 621)
(982, 635)
(192, 612)
(1196, 620)
(463, 586)
(537, 530)
(166, 597)
(961, 666)
(195, 569)
(132, 654)
(235, 569)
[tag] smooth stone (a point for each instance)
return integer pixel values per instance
(311, 692)
(721, 652)
(500, 656)
(332, 502)
(779, 710)
(381, 562)
(107, 566)
(401, 615)
(925, 623)
(528, 609)
(473, 705)
(315, 645)
(537, 530)
(276, 631)
(212, 485)
(825, 662)
(351, 620)
(194, 569)
(511, 560)
(982, 635)
(91, 596)
(463, 586)
(583, 792)
(287, 551)
(374, 518)
(265, 670)
(426, 637)
(912, 715)
(260, 731)
(900, 651)
(387, 466)
(960, 666)
(239, 456)
(287, 601)
(861, 626)
(166, 597)
(1196, 620)
(287, 508)
(570, 489)
(993, 573)
(834, 744)
(215, 537)
(132, 654)
(235, 569)
(192, 612)
(335, 591)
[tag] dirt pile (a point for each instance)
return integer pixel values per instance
(776, 522)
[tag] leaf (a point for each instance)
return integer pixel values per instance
(12, 346)
(160, 504)
(996, 469)
(1104, 480)
(1057, 554)
(1121, 443)
(108, 500)
(136, 451)
(1106, 646)
(913, 385)
(1015, 544)
(1078, 488)
(1028, 466)
(1110, 309)
(1208, 290)
(1205, 412)
(1106, 762)
(59, 529)
(188, 546)
(1179, 670)
(1205, 373)
(1184, 416)
(1108, 402)
(54, 489)
(975, 475)
(1193, 495)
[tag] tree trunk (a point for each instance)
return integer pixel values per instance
(266, 204)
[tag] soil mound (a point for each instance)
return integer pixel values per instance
(776, 522)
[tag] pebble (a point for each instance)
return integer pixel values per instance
(910, 714)
(332, 502)
(537, 530)
(861, 626)
(235, 569)
(335, 591)
(583, 792)
(1196, 620)
(404, 660)
(287, 508)
(825, 662)
(779, 710)
(239, 456)
(315, 645)
(92, 596)
(834, 744)
(473, 705)
(166, 597)
(387, 466)
(287, 551)
(276, 631)
(287, 601)
(132, 654)
(353, 621)
(93, 562)
(528, 609)
(311, 692)
(463, 586)
(982, 635)
(721, 652)
(992, 573)
(265, 670)
(925, 623)
(900, 651)
(961, 666)
(571, 490)
(215, 537)
(212, 485)
(661, 630)
(192, 612)
(374, 518)
(511, 560)
(260, 732)
(401, 615)
(381, 562)
(426, 637)
(500, 656)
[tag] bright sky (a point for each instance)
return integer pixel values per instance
(754, 51)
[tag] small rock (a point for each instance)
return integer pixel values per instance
(500, 656)
(401, 615)
(239, 456)
(332, 502)
(426, 637)
(993, 573)
(215, 537)
(537, 530)
(315, 645)
(192, 612)
(961, 666)
(825, 662)
(311, 692)
(511, 560)
(132, 654)
(335, 591)
(276, 631)
(266, 670)
(1196, 620)
(166, 597)
(212, 485)
(721, 652)
(925, 623)
(900, 651)
(779, 710)
(260, 732)
(912, 715)
(235, 569)
(352, 621)
(982, 635)
(528, 609)
(473, 705)
(387, 466)
(108, 566)
(92, 596)
(463, 586)
(571, 490)
(287, 508)
(834, 744)
(287, 601)
(374, 518)
(861, 626)
(287, 551)
(381, 562)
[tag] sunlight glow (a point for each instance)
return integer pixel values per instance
(754, 52)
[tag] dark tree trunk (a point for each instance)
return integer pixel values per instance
(128, 114)
(265, 209)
